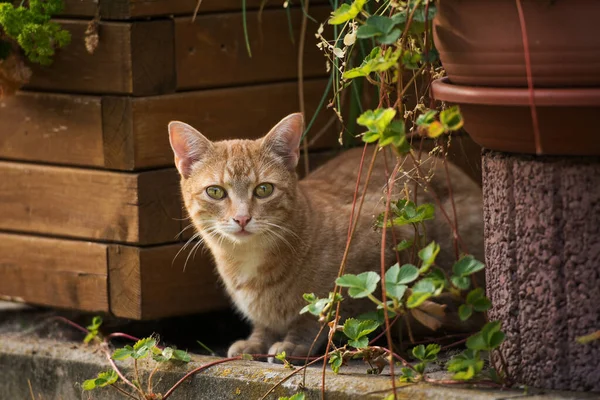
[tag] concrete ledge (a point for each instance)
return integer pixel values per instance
(56, 370)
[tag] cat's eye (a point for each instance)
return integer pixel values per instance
(216, 192)
(263, 190)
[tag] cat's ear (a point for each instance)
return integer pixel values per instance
(284, 139)
(188, 145)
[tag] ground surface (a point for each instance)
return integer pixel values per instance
(39, 351)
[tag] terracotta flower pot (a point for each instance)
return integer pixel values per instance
(480, 42)
(500, 118)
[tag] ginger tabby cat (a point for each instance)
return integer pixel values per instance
(274, 237)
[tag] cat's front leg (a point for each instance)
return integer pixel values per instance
(299, 339)
(257, 343)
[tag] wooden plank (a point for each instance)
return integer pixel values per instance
(211, 52)
(53, 128)
(129, 9)
(125, 133)
(148, 283)
(131, 58)
(134, 208)
(255, 109)
(53, 272)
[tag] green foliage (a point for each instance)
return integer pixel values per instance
(346, 12)
(360, 285)
(489, 338)
(405, 212)
(377, 61)
(428, 353)
(463, 269)
(93, 329)
(427, 255)
(476, 301)
(297, 396)
(466, 365)
(169, 354)
(103, 379)
(336, 360)
(32, 29)
(141, 349)
(317, 306)
(357, 331)
(407, 375)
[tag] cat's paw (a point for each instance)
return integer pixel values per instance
(291, 349)
(246, 347)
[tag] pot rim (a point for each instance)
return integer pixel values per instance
(444, 90)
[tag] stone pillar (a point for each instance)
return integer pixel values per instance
(542, 237)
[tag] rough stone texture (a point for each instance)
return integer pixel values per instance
(55, 370)
(542, 233)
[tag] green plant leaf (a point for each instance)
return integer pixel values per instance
(96, 322)
(370, 137)
(482, 304)
(451, 118)
(416, 299)
(89, 384)
(346, 12)
(428, 255)
(426, 118)
(377, 120)
(143, 347)
(394, 288)
(465, 365)
(394, 134)
(336, 360)
(390, 38)
(360, 343)
(407, 376)
(355, 329)
(419, 352)
(123, 353)
(496, 339)
(411, 60)
(103, 379)
(280, 356)
(360, 285)
(375, 25)
(435, 129)
(377, 61)
(461, 282)
(297, 396)
(404, 245)
(408, 273)
(465, 311)
(467, 265)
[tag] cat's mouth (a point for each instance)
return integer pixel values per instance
(242, 233)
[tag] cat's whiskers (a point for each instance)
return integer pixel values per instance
(281, 239)
(285, 230)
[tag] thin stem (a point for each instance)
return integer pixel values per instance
(138, 381)
(454, 214)
(197, 370)
(347, 250)
(73, 324)
(150, 389)
(104, 348)
(301, 46)
(123, 392)
(294, 372)
(383, 288)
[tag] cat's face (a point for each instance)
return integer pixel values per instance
(238, 191)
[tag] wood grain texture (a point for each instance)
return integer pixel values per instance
(130, 133)
(131, 58)
(90, 204)
(53, 128)
(245, 113)
(149, 283)
(56, 273)
(211, 51)
(130, 9)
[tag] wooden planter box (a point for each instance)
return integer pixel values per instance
(90, 214)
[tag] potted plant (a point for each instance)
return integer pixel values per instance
(27, 32)
(527, 82)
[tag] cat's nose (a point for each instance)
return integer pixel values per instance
(242, 220)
